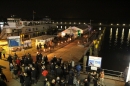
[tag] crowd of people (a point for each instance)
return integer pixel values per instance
(55, 72)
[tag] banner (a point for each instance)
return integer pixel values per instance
(94, 62)
(14, 41)
(27, 44)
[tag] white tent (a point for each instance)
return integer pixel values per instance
(71, 31)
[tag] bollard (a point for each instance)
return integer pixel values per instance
(84, 63)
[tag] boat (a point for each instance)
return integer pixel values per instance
(25, 29)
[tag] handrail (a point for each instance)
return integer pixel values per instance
(111, 70)
(2, 33)
(112, 73)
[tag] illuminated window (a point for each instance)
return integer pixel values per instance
(65, 27)
(61, 26)
(99, 28)
(57, 26)
(111, 24)
(123, 24)
(79, 23)
(117, 24)
(69, 22)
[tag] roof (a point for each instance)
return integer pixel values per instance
(44, 37)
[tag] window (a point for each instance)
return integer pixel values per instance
(29, 29)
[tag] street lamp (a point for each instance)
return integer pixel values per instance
(90, 27)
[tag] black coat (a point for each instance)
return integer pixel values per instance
(10, 59)
(70, 80)
(95, 80)
(34, 73)
(27, 81)
(86, 83)
(21, 77)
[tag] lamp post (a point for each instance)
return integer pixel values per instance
(90, 22)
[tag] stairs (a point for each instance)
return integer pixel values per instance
(3, 33)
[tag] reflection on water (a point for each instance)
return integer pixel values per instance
(128, 38)
(116, 36)
(115, 51)
(122, 36)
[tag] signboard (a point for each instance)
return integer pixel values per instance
(94, 62)
(27, 44)
(39, 41)
(14, 41)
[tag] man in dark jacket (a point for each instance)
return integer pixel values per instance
(9, 59)
(86, 83)
(0, 55)
(78, 69)
(59, 72)
(21, 77)
(27, 80)
(3, 77)
(34, 75)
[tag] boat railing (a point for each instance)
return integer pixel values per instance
(110, 74)
(118, 75)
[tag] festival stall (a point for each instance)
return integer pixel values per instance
(42, 39)
(74, 31)
(27, 44)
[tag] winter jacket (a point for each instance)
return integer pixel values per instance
(45, 73)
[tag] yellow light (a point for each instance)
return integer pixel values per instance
(96, 46)
(78, 42)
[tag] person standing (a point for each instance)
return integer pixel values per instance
(0, 55)
(10, 59)
(34, 76)
(78, 68)
(76, 81)
(21, 77)
(3, 52)
(86, 83)
(3, 77)
(27, 80)
(101, 78)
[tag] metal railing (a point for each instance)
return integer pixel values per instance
(109, 74)
(118, 75)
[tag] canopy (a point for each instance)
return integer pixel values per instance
(71, 31)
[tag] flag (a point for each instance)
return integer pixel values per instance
(34, 12)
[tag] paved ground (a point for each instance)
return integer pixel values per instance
(68, 52)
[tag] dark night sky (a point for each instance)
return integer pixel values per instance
(88, 9)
